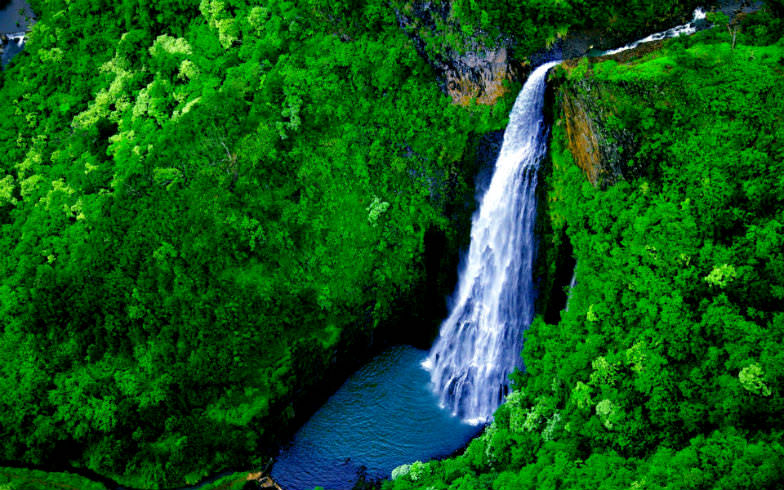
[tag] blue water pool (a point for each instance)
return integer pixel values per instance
(385, 415)
(14, 17)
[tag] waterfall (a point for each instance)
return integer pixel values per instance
(572, 284)
(480, 341)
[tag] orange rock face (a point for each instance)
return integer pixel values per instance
(583, 142)
(479, 76)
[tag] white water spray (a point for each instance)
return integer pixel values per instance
(685, 29)
(480, 342)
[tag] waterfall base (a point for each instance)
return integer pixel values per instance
(385, 415)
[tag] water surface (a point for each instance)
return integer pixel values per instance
(385, 415)
(11, 19)
(15, 18)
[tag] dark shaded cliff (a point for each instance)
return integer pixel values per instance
(478, 61)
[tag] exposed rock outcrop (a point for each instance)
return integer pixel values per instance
(481, 75)
(583, 137)
(601, 149)
(596, 148)
(475, 70)
(476, 67)
(261, 480)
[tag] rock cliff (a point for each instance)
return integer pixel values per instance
(601, 146)
(469, 67)
(473, 66)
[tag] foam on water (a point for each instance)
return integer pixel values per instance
(479, 343)
(685, 29)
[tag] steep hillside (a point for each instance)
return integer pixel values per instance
(665, 372)
(210, 211)
(478, 47)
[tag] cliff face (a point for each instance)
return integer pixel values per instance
(600, 144)
(468, 66)
(472, 65)
(588, 117)
(480, 75)
(598, 148)
(584, 137)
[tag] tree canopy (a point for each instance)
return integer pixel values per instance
(208, 206)
(666, 369)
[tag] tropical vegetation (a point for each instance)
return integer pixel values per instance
(211, 208)
(665, 370)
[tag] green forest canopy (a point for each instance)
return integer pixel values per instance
(666, 370)
(203, 203)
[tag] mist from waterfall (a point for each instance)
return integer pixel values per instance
(480, 341)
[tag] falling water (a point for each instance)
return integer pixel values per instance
(480, 341)
(572, 284)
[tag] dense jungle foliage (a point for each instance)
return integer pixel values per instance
(25, 479)
(206, 205)
(666, 370)
(529, 26)
(30, 479)
(536, 23)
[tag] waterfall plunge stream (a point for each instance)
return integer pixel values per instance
(480, 342)
(386, 415)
